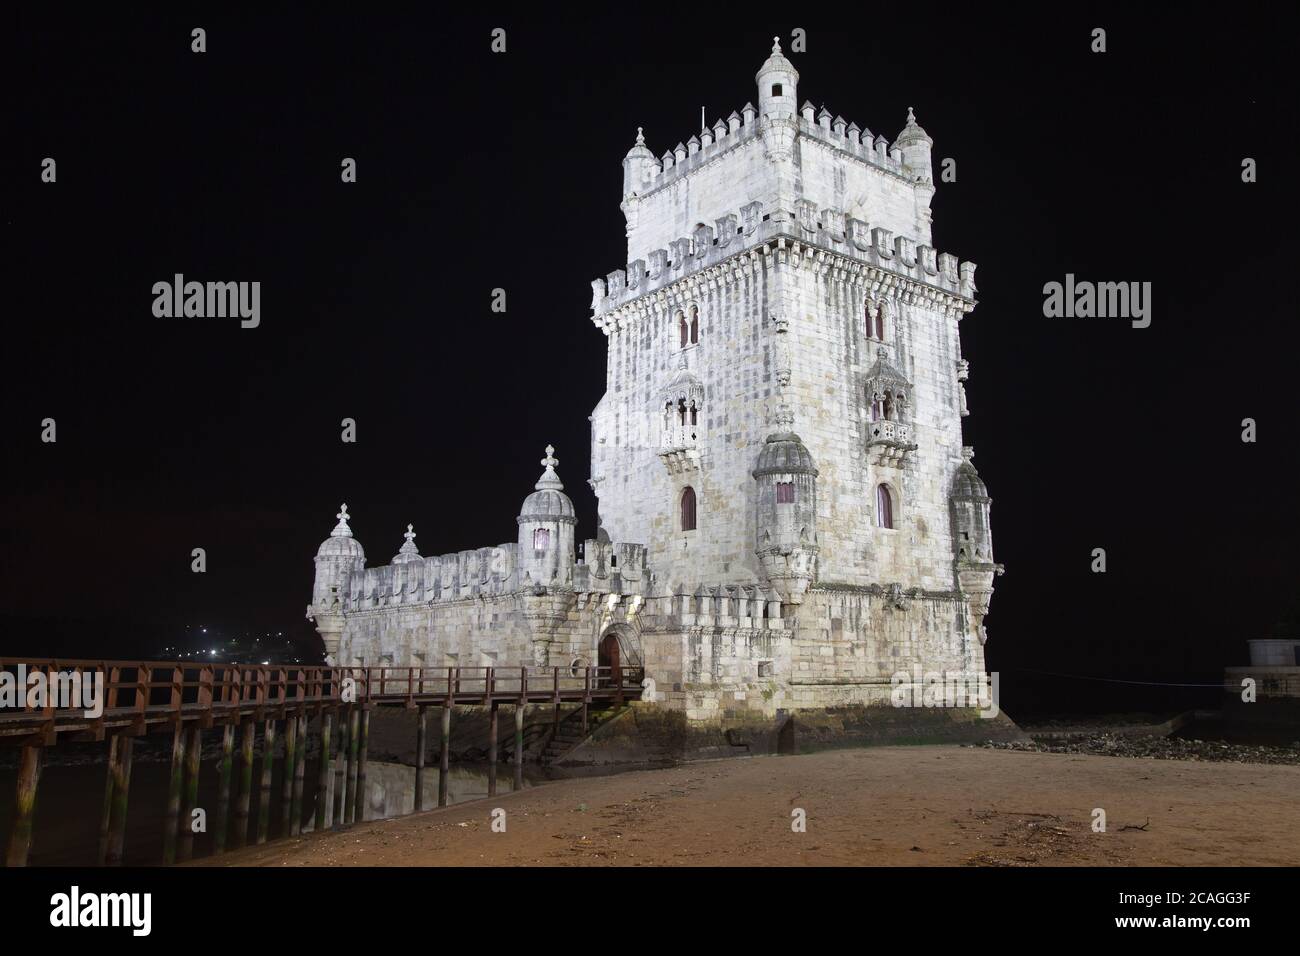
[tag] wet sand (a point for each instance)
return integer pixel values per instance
(886, 806)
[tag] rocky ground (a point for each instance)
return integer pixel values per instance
(1103, 743)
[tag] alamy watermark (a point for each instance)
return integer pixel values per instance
(946, 689)
(64, 690)
(208, 300)
(1101, 300)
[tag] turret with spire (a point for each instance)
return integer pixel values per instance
(915, 144)
(338, 559)
(546, 527)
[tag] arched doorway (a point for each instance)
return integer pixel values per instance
(609, 655)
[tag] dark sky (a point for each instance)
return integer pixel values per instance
(479, 171)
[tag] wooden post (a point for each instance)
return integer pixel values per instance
(363, 798)
(223, 789)
(121, 790)
(586, 699)
(193, 754)
(299, 775)
(519, 745)
(341, 770)
(354, 735)
(421, 745)
(492, 750)
(555, 724)
(107, 815)
(264, 792)
(20, 836)
(174, 787)
(324, 812)
(242, 808)
(444, 755)
(286, 785)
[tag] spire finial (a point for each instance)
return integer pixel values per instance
(784, 416)
(549, 478)
(341, 530)
(410, 533)
(776, 45)
(911, 117)
(640, 137)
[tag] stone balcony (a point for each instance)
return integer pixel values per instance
(679, 448)
(889, 442)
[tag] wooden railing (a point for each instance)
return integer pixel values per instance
(141, 693)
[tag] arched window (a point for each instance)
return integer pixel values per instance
(785, 492)
(880, 322)
(884, 507)
(695, 325)
(695, 414)
(688, 509)
(868, 323)
(541, 539)
(877, 409)
(681, 327)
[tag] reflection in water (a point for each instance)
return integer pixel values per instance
(69, 802)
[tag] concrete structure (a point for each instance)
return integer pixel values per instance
(788, 517)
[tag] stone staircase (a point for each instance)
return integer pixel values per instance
(569, 734)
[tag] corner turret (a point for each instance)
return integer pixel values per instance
(777, 84)
(786, 510)
(546, 526)
(339, 557)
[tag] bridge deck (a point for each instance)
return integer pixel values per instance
(48, 699)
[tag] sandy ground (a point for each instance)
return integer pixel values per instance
(887, 806)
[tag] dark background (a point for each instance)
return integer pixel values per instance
(479, 171)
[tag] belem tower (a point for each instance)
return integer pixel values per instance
(788, 516)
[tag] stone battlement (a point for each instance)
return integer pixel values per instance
(881, 259)
(712, 142)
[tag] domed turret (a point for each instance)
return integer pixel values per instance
(786, 510)
(339, 557)
(638, 165)
(777, 84)
(972, 540)
(916, 144)
(969, 501)
(546, 525)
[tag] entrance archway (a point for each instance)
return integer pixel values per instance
(609, 654)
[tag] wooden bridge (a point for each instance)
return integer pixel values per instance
(138, 698)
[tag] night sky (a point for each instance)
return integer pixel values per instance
(478, 171)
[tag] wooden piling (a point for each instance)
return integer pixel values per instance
(174, 786)
(363, 799)
(121, 790)
(20, 834)
(519, 746)
(325, 773)
(223, 789)
(193, 756)
(264, 792)
(444, 754)
(421, 745)
(299, 775)
(242, 808)
(492, 750)
(107, 815)
(286, 786)
(354, 735)
(341, 769)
